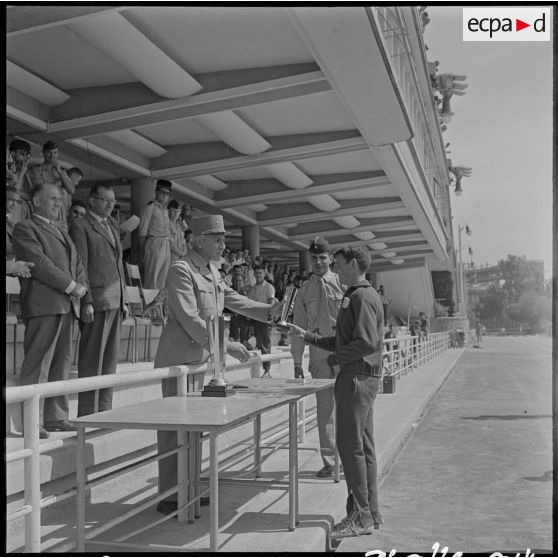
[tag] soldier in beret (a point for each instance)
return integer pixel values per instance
(316, 307)
(196, 290)
(154, 233)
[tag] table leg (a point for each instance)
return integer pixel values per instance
(81, 481)
(213, 493)
(183, 472)
(293, 466)
(191, 474)
(302, 427)
(197, 447)
(257, 446)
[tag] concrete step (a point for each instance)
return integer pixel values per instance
(255, 517)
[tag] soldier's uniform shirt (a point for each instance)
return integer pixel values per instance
(154, 224)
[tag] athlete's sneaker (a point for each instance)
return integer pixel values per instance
(350, 527)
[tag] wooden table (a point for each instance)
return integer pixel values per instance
(187, 415)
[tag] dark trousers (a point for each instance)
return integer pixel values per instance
(238, 331)
(47, 345)
(99, 346)
(167, 440)
(262, 332)
(263, 340)
(354, 401)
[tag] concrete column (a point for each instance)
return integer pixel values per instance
(304, 261)
(142, 191)
(251, 239)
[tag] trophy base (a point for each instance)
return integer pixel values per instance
(218, 390)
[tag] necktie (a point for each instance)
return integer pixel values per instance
(57, 231)
(324, 321)
(105, 224)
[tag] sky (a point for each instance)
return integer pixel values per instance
(502, 128)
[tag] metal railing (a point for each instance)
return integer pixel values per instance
(403, 354)
(410, 353)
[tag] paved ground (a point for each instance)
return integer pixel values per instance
(477, 474)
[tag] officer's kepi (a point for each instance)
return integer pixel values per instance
(208, 224)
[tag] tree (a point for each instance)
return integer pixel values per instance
(492, 304)
(520, 275)
(532, 309)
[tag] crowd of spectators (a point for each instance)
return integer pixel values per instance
(67, 251)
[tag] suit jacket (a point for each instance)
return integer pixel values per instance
(9, 236)
(57, 264)
(102, 261)
(195, 291)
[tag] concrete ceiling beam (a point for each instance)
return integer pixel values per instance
(306, 230)
(204, 161)
(70, 120)
(247, 192)
(28, 19)
(304, 213)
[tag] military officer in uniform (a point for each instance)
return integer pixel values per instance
(195, 290)
(154, 232)
(316, 307)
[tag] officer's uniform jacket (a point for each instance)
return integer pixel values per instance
(195, 290)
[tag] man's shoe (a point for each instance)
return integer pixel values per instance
(59, 425)
(43, 434)
(325, 471)
(350, 527)
(167, 507)
(266, 375)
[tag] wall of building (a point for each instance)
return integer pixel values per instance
(412, 284)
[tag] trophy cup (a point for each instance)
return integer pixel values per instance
(289, 298)
(218, 335)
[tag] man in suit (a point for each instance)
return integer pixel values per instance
(48, 297)
(102, 308)
(195, 290)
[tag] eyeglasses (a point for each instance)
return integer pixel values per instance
(78, 214)
(105, 200)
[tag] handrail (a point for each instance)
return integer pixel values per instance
(32, 394)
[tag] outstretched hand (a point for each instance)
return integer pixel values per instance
(238, 350)
(295, 330)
